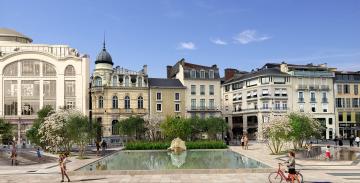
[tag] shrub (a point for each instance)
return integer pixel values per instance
(144, 145)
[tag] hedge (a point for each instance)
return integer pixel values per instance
(144, 145)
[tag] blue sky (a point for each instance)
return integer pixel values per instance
(229, 33)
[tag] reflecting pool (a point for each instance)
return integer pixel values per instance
(337, 153)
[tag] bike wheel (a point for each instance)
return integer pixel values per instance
(275, 177)
(300, 177)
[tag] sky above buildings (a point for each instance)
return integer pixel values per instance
(230, 33)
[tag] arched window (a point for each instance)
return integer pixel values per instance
(69, 70)
(127, 102)
(11, 69)
(127, 81)
(115, 127)
(140, 102)
(114, 102)
(115, 82)
(140, 81)
(101, 102)
(98, 81)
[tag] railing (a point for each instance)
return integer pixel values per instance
(97, 89)
(324, 100)
(313, 87)
(203, 108)
(324, 87)
(312, 99)
(302, 87)
(312, 73)
(301, 100)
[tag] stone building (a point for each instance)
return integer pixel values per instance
(202, 95)
(347, 99)
(116, 94)
(35, 75)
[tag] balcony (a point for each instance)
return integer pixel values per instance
(97, 89)
(302, 87)
(324, 100)
(312, 73)
(203, 108)
(301, 100)
(324, 87)
(314, 87)
(125, 111)
(312, 100)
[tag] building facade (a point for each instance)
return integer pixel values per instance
(251, 99)
(167, 97)
(116, 94)
(312, 91)
(202, 95)
(35, 75)
(347, 103)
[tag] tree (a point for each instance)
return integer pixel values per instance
(152, 125)
(214, 125)
(303, 127)
(277, 131)
(132, 127)
(174, 127)
(80, 132)
(5, 132)
(33, 133)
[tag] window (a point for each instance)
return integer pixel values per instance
(265, 92)
(127, 81)
(339, 89)
(140, 81)
(252, 82)
(325, 107)
(49, 93)
(193, 74)
(101, 102)
(30, 68)
(248, 95)
(339, 102)
(211, 104)
(227, 88)
(158, 107)
(11, 69)
(140, 102)
(193, 104)
(348, 104)
(115, 127)
(340, 116)
(284, 92)
(277, 92)
(237, 85)
(254, 93)
(330, 121)
(301, 96)
(348, 117)
(357, 117)
(265, 80)
(202, 104)
(10, 97)
(211, 74)
(69, 70)
(356, 89)
(301, 107)
(114, 81)
(127, 102)
(277, 105)
(284, 106)
(69, 103)
(324, 97)
(265, 105)
(70, 88)
(202, 74)
(279, 80)
(98, 81)
(49, 70)
(202, 89)
(177, 107)
(346, 89)
(177, 96)
(313, 107)
(115, 102)
(227, 97)
(312, 97)
(355, 102)
(211, 89)
(158, 96)
(193, 89)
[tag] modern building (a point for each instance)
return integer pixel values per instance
(116, 94)
(250, 99)
(312, 91)
(347, 100)
(35, 75)
(202, 96)
(167, 97)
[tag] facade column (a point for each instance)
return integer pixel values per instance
(245, 123)
(230, 123)
(260, 126)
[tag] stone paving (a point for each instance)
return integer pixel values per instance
(313, 171)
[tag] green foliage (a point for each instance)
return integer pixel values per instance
(145, 145)
(214, 125)
(132, 127)
(5, 131)
(174, 127)
(33, 133)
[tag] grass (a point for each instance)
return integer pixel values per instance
(203, 144)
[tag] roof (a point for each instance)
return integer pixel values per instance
(165, 83)
(104, 57)
(172, 70)
(5, 32)
(261, 72)
(298, 66)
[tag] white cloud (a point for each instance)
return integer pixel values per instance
(218, 41)
(248, 36)
(187, 46)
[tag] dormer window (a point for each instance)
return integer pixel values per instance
(211, 74)
(202, 74)
(193, 74)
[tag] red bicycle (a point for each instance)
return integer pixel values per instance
(279, 176)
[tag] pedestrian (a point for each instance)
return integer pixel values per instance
(246, 142)
(340, 142)
(38, 153)
(327, 153)
(62, 163)
(103, 147)
(351, 140)
(357, 140)
(13, 155)
(308, 148)
(97, 143)
(242, 141)
(336, 140)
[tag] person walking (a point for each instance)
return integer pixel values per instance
(62, 160)
(13, 155)
(351, 140)
(327, 153)
(336, 139)
(97, 143)
(357, 140)
(308, 148)
(246, 142)
(242, 142)
(340, 142)
(38, 153)
(103, 147)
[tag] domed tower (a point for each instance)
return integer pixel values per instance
(103, 60)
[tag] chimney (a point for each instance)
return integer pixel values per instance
(168, 71)
(229, 73)
(145, 69)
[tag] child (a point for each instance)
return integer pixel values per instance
(327, 152)
(38, 153)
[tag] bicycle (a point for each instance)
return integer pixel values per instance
(279, 176)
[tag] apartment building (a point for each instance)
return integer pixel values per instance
(202, 96)
(347, 100)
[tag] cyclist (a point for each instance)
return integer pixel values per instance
(290, 163)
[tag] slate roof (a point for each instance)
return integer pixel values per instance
(165, 83)
(261, 72)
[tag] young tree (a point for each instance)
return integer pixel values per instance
(214, 125)
(132, 126)
(5, 132)
(33, 133)
(174, 127)
(152, 125)
(276, 131)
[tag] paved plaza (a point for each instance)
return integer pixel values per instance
(313, 171)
